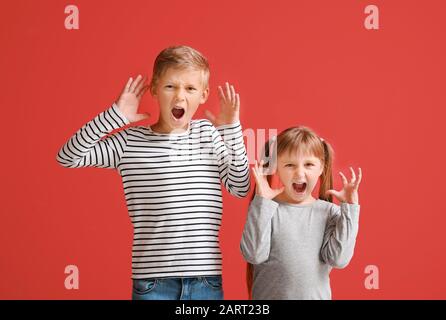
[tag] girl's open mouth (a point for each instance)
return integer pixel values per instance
(178, 112)
(299, 187)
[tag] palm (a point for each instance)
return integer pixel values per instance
(128, 103)
(229, 107)
(349, 192)
(130, 97)
(262, 186)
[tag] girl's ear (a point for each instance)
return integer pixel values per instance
(204, 95)
(153, 92)
(321, 170)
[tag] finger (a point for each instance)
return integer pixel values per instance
(141, 84)
(135, 83)
(344, 179)
(254, 172)
(237, 102)
(142, 91)
(221, 94)
(228, 93)
(359, 178)
(259, 169)
(127, 86)
(262, 167)
(210, 116)
(272, 150)
(353, 175)
(233, 95)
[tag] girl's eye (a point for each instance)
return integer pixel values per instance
(288, 165)
(310, 164)
(191, 88)
(169, 86)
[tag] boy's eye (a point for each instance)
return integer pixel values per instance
(191, 88)
(169, 86)
(289, 165)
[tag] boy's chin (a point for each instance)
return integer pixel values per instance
(179, 124)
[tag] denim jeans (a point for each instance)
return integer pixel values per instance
(197, 288)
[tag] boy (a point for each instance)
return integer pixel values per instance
(171, 173)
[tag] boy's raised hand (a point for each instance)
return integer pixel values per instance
(229, 106)
(349, 192)
(263, 188)
(130, 97)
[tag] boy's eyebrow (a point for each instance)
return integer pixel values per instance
(188, 84)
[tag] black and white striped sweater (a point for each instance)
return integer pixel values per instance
(172, 186)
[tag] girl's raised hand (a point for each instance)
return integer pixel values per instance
(349, 192)
(263, 188)
(229, 107)
(130, 97)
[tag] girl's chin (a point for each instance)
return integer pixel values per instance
(297, 198)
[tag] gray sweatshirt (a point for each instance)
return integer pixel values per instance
(294, 247)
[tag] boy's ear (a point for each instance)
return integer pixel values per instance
(204, 95)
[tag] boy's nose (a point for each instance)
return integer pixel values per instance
(179, 94)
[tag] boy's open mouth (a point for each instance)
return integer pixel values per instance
(178, 112)
(299, 187)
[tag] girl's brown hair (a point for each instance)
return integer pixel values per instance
(305, 140)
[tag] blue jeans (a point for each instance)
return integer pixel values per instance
(198, 288)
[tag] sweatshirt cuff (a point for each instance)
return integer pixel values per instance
(264, 203)
(229, 126)
(352, 209)
(231, 133)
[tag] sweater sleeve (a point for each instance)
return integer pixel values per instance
(256, 238)
(232, 160)
(86, 148)
(340, 235)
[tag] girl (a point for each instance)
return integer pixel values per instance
(292, 240)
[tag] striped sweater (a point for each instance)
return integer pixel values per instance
(172, 186)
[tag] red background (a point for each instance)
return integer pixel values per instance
(376, 95)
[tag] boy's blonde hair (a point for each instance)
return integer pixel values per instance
(179, 57)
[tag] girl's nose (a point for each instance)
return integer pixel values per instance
(299, 173)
